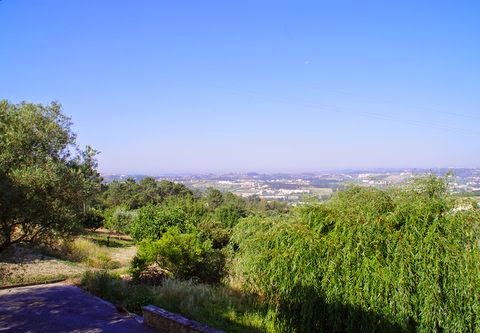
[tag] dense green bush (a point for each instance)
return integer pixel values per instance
(213, 198)
(152, 221)
(368, 260)
(229, 215)
(214, 231)
(184, 255)
(92, 219)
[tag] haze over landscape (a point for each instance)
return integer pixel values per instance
(239, 166)
(174, 87)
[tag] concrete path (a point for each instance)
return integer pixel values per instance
(60, 308)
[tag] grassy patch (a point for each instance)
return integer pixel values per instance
(33, 279)
(102, 239)
(23, 265)
(216, 306)
(86, 251)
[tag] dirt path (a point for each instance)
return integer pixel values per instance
(124, 255)
(61, 308)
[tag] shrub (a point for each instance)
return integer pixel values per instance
(183, 255)
(138, 265)
(229, 215)
(152, 221)
(214, 230)
(368, 260)
(98, 283)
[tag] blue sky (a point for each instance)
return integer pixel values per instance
(219, 86)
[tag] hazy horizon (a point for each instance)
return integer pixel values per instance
(218, 87)
(291, 172)
(278, 169)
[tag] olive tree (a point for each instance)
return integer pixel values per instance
(46, 181)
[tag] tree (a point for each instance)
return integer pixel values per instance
(119, 193)
(213, 198)
(229, 215)
(118, 220)
(46, 180)
(168, 188)
(92, 219)
(147, 191)
(368, 260)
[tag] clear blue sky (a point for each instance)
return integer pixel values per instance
(217, 86)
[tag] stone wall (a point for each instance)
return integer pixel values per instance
(166, 322)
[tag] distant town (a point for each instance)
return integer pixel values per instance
(297, 188)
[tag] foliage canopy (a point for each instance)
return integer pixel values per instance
(152, 221)
(46, 181)
(184, 255)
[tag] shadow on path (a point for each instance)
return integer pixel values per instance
(60, 308)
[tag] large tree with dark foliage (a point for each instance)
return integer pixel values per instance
(46, 181)
(134, 195)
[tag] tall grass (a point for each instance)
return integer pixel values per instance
(216, 306)
(117, 291)
(84, 250)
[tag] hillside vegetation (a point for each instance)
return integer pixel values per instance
(404, 259)
(367, 260)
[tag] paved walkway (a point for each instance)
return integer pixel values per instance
(60, 308)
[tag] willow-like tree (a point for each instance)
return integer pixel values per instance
(368, 260)
(46, 181)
